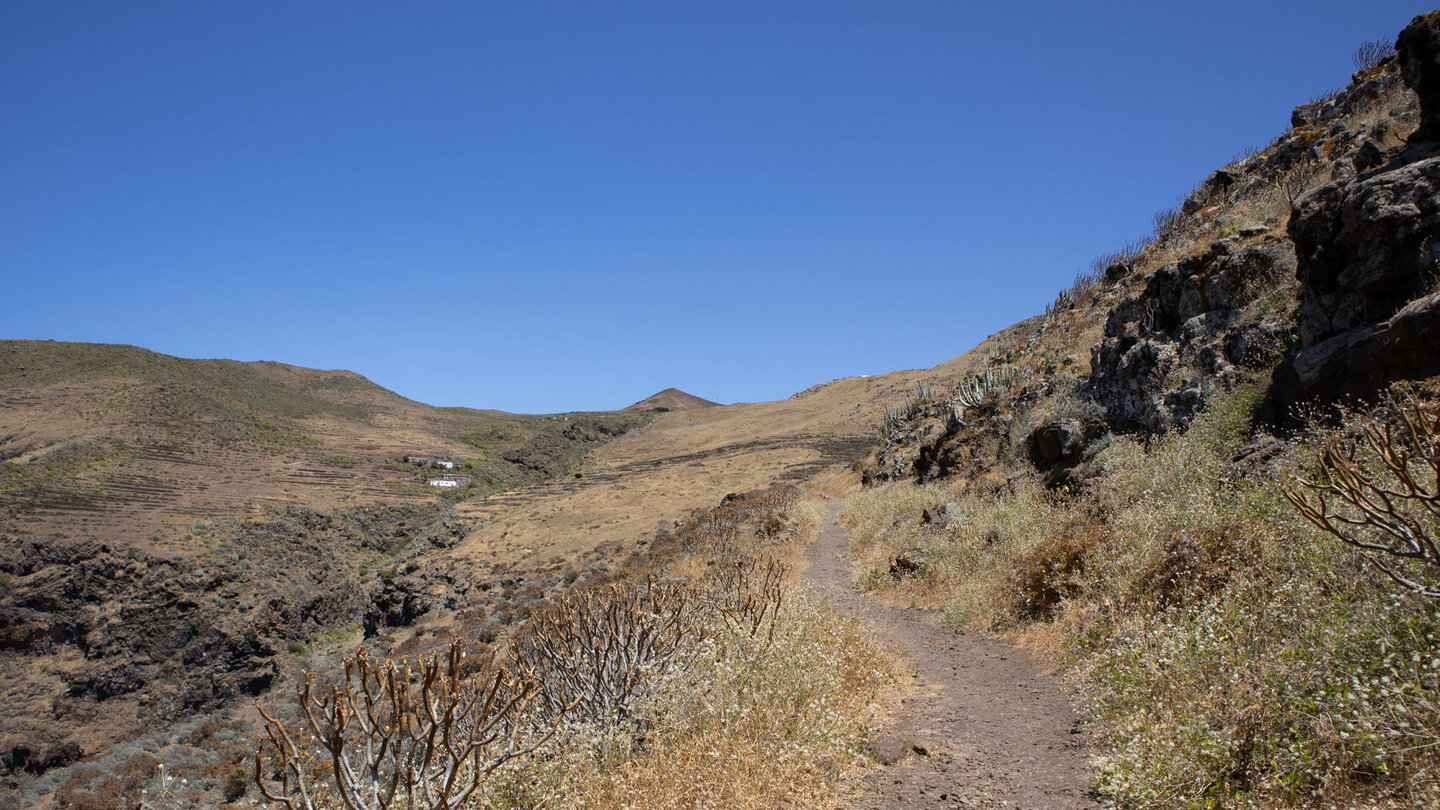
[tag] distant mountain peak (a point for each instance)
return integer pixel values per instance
(672, 399)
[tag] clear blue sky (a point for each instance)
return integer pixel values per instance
(547, 206)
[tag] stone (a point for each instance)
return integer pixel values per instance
(1418, 50)
(1256, 461)
(1117, 270)
(1366, 252)
(1368, 156)
(908, 562)
(1065, 442)
(942, 515)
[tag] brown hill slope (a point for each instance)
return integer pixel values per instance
(170, 527)
(123, 443)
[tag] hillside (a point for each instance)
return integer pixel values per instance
(155, 510)
(128, 444)
(1107, 485)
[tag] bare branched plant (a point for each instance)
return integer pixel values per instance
(391, 736)
(1128, 253)
(1165, 222)
(1245, 154)
(748, 594)
(1296, 179)
(1380, 493)
(597, 652)
(1372, 53)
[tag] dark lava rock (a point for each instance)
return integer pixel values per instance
(1065, 442)
(908, 562)
(1418, 49)
(1367, 255)
(1256, 461)
(1189, 331)
(942, 515)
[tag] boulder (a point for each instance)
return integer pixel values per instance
(1256, 461)
(1365, 248)
(942, 515)
(1418, 49)
(909, 562)
(1190, 330)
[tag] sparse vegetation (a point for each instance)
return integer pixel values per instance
(988, 390)
(1370, 54)
(1236, 654)
(729, 677)
(1296, 179)
(1165, 222)
(385, 740)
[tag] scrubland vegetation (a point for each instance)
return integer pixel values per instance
(706, 662)
(1234, 653)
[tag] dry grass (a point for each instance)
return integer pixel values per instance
(766, 723)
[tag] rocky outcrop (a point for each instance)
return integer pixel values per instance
(1417, 49)
(1065, 442)
(1368, 257)
(1193, 328)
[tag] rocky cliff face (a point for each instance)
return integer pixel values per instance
(1196, 326)
(1318, 256)
(1368, 257)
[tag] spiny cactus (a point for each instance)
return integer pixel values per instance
(988, 389)
(894, 425)
(1064, 300)
(924, 393)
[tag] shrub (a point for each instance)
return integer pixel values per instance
(1049, 572)
(1193, 564)
(1371, 54)
(989, 390)
(385, 743)
(1165, 222)
(595, 653)
(1295, 179)
(1380, 493)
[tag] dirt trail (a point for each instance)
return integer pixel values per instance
(983, 727)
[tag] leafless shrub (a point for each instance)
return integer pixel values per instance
(1325, 95)
(1128, 252)
(1380, 492)
(764, 512)
(1165, 222)
(595, 653)
(1245, 154)
(1296, 179)
(747, 595)
(394, 737)
(1372, 53)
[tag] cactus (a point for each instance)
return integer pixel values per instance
(1064, 300)
(986, 390)
(922, 394)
